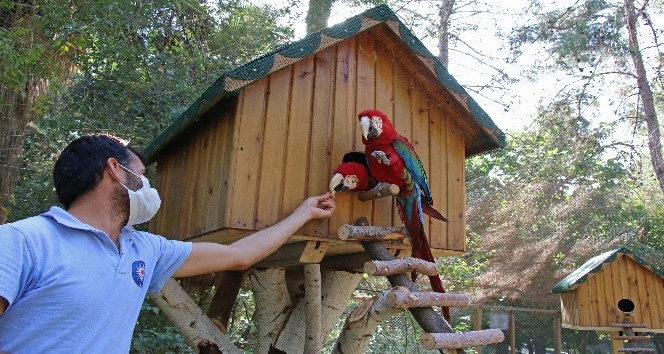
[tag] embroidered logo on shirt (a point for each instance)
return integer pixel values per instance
(138, 272)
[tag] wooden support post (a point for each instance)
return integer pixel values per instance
(512, 334)
(273, 305)
(477, 323)
(197, 329)
(557, 333)
(227, 286)
(461, 340)
(401, 265)
(370, 233)
(379, 191)
(312, 299)
(337, 287)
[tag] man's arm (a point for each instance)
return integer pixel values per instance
(207, 257)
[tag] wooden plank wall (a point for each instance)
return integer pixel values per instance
(291, 129)
(593, 304)
(192, 179)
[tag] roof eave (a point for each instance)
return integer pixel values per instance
(234, 80)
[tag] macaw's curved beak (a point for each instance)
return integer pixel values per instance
(336, 183)
(365, 125)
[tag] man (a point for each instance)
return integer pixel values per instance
(73, 280)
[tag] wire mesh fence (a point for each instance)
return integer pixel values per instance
(537, 331)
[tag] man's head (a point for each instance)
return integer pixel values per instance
(81, 165)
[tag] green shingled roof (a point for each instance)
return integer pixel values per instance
(596, 264)
(234, 80)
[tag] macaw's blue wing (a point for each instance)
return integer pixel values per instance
(413, 165)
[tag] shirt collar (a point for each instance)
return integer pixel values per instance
(63, 217)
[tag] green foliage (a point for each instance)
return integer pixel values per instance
(555, 196)
(580, 34)
(461, 272)
(154, 334)
(18, 62)
(136, 65)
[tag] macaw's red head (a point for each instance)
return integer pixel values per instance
(376, 125)
(350, 176)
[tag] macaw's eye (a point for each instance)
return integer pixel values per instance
(351, 181)
(377, 122)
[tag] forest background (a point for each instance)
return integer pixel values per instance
(576, 85)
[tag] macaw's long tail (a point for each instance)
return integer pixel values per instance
(420, 246)
(429, 210)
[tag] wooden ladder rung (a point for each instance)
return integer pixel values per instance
(401, 265)
(461, 340)
(408, 299)
(371, 233)
(634, 338)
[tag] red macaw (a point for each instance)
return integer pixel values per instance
(352, 174)
(392, 159)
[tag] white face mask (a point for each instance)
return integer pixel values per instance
(143, 203)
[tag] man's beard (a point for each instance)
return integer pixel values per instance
(120, 204)
(120, 198)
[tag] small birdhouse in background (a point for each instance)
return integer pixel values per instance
(610, 288)
(270, 133)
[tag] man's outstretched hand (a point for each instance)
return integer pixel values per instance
(317, 207)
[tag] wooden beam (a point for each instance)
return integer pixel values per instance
(347, 262)
(286, 256)
(196, 328)
(228, 285)
(314, 251)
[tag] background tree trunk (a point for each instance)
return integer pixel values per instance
(16, 102)
(645, 93)
(317, 14)
(446, 11)
(14, 117)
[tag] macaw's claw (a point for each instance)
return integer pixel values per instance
(381, 157)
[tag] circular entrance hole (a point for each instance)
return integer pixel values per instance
(626, 305)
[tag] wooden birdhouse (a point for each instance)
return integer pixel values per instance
(268, 134)
(610, 289)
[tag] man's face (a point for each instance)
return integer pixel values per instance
(120, 196)
(135, 165)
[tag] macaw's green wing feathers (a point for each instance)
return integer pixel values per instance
(413, 165)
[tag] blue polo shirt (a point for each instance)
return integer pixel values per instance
(70, 290)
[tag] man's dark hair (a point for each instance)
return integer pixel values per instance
(81, 164)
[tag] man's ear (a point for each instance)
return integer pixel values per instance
(113, 168)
